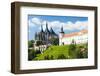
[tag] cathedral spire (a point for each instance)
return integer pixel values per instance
(47, 30)
(52, 32)
(41, 28)
(62, 30)
(46, 25)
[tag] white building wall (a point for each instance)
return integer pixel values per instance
(61, 38)
(78, 39)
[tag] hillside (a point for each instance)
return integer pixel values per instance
(54, 52)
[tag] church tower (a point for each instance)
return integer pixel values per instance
(47, 33)
(41, 28)
(61, 34)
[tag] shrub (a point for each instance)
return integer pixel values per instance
(54, 41)
(31, 54)
(61, 56)
(39, 43)
(72, 50)
(30, 43)
(72, 47)
(82, 51)
(46, 57)
(51, 57)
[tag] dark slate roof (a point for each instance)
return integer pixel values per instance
(41, 29)
(47, 30)
(52, 32)
(62, 30)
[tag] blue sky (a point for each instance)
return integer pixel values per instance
(69, 23)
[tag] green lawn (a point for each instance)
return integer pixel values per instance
(53, 51)
(61, 52)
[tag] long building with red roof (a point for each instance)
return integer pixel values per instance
(77, 37)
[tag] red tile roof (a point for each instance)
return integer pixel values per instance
(76, 33)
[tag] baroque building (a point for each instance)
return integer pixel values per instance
(78, 37)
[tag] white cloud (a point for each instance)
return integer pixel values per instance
(30, 24)
(78, 25)
(36, 21)
(56, 25)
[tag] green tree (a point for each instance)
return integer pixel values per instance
(72, 50)
(82, 51)
(72, 47)
(39, 43)
(51, 57)
(30, 43)
(61, 56)
(31, 54)
(54, 41)
(46, 57)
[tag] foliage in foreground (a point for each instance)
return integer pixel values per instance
(30, 43)
(72, 51)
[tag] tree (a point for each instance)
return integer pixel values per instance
(61, 56)
(31, 54)
(72, 49)
(39, 43)
(46, 57)
(51, 57)
(54, 41)
(82, 51)
(86, 51)
(30, 43)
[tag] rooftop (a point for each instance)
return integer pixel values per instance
(76, 33)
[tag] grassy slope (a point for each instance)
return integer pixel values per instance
(55, 51)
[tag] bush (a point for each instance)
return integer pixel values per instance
(85, 54)
(51, 57)
(55, 41)
(61, 56)
(31, 54)
(72, 50)
(46, 57)
(72, 47)
(82, 51)
(39, 43)
(30, 43)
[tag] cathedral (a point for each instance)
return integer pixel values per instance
(44, 37)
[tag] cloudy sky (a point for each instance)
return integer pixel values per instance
(69, 23)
